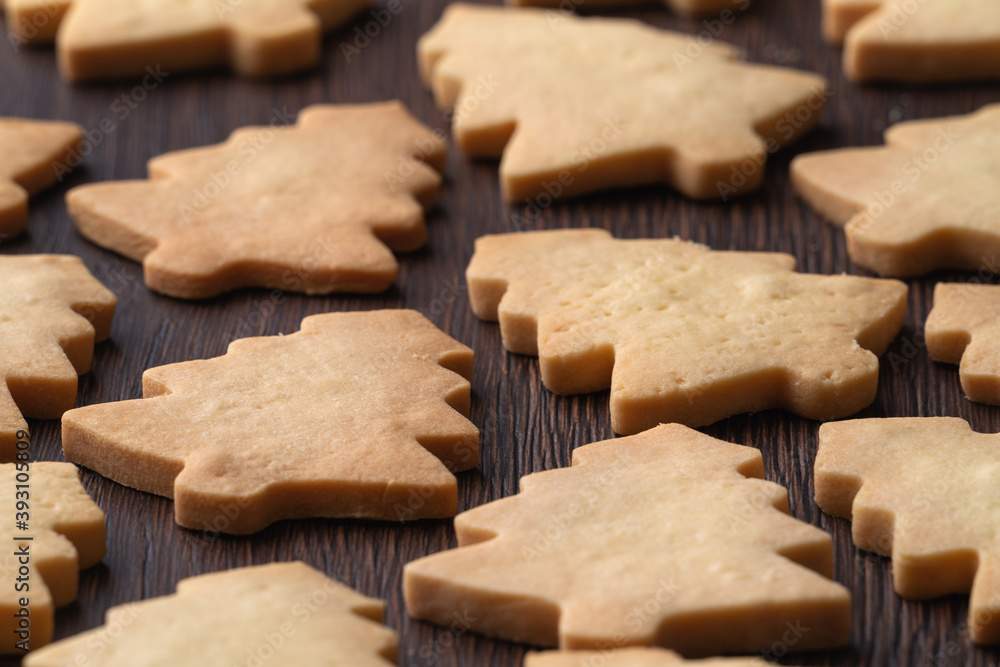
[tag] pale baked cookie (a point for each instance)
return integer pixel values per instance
(109, 39)
(964, 328)
(356, 415)
(575, 105)
(33, 155)
(314, 207)
(667, 538)
(916, 41)
(52, 310)
(635, 657)
(62, 533)
(927, 200)
(925, 491)
(687, 7)
(681, 333)
(291, 613)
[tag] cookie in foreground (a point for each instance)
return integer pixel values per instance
(357, 415)
(281, 615)
(668, 538)
(926, 492)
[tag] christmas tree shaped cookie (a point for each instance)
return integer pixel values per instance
(32, 156)
(964, 328)
(916, 40)
(107, 39)
(635, 106)
(356, 415)
(681, 333)
(927, 200)
(288, 612)
(925, 491)
(51, 530)
(670, 517)
(314, 208)
(51, 313)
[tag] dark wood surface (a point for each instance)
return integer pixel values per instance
(524, 428)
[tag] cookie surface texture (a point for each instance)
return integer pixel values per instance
(680, 333)
(917, 42)
(356, 415)
(52, 310)
(927, 200)
(113, 39)
(33, 155)
(964, 328)
(925, 491)
(308, 208)
(670, 515)
(313, 620)
(637, 109)
(67, 534)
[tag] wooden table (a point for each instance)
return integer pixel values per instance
(524, 428)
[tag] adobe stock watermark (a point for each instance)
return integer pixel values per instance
(711, 30)
(41, 20)
(912, 171)
(120, 110)
(787, 127)
(899, 14)
(249, 148)
(481, 90)
(585, 156)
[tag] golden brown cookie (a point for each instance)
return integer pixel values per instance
(33, 155)
(635, 105)
(680, 333)
(356, 415)
(925, 491)
(279, 615)
(314, 208)
(51, 313)
(927, 200)
(33, 21)
(51, 530)
(964, 328)
(916, 41)
(110, 39)
(667, 538)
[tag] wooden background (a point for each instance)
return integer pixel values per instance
(524, 428)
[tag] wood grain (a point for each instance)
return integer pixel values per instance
(524, 428)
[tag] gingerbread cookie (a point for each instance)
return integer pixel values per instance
(51, 531)
(289, 612)
(110, 39)
(927, 200)
(916, 41)
(51, 313)
(964, 328)
(637, 106)
(680, 333)
(925, 491)
(670, 517)
(356, 415)
(635, 657)
(311, 208)
(33, 155)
